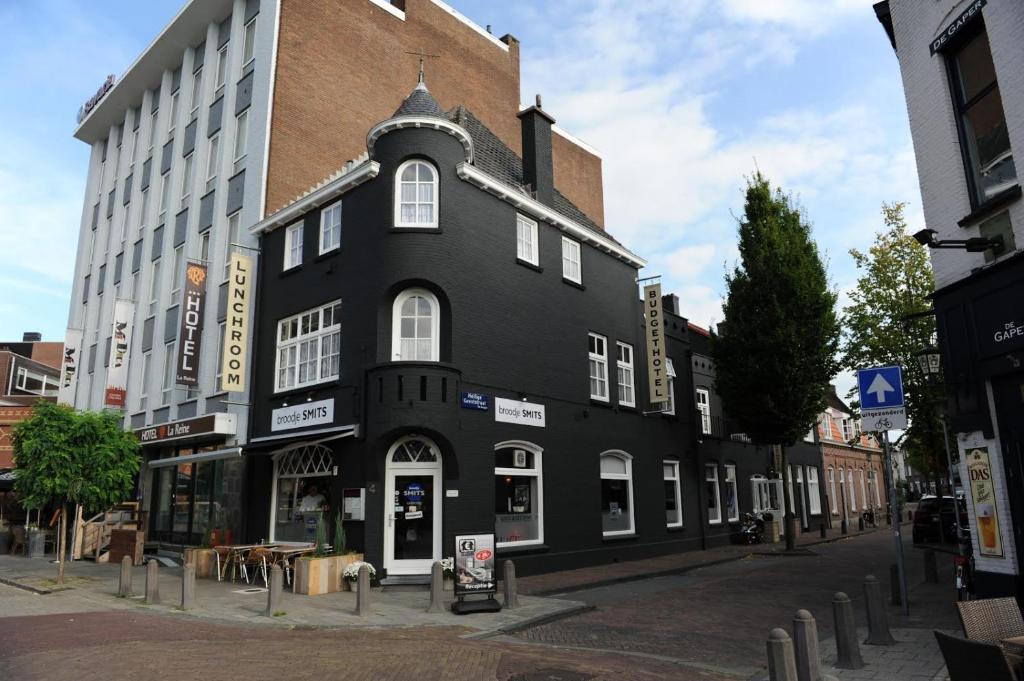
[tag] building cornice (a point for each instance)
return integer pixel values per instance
(432, 122)
(538, 210)
(330, 189)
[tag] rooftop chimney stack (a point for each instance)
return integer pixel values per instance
(31, 337)
(538, 172)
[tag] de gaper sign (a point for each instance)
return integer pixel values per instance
(881, 399)
(303, 415)
(523, 413)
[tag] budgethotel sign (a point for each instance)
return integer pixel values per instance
(302, 415)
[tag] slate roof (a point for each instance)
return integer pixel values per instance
(494, 157)
(419, 103)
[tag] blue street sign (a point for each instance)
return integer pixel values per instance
(880, 387)
(476, 401)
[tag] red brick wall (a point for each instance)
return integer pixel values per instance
(839, 456)
(578, 176)
(48, 353)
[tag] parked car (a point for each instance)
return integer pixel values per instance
(934, 519)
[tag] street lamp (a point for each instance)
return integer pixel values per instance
(976, 244)
(930, 362)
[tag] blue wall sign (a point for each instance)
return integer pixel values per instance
(880, 387)
(414, 492)
(476, 401)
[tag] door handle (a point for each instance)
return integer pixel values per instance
(391, 518)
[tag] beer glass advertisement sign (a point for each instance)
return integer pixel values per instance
(983, 496)
(474, 564)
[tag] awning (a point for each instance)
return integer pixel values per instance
(229, 453)
(304, 437)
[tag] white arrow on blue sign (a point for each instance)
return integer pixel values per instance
(880, 388)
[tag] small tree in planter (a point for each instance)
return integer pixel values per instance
(448, 570)
(351, 574)
(202, 557)
(322, 572)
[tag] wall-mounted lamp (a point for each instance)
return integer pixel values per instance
(977, 244)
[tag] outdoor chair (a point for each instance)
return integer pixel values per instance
(991, 620)
(968, 660)
(18, 545)
(222, 554)
(257, 560)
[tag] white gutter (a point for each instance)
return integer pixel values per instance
(535, 208)
(317, 197)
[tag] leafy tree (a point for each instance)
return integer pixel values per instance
(888, 320)
(775, 353)
(62, 456)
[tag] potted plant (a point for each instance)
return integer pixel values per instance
(351, 574)
(448, 569)
(321, 573)
(202, 557)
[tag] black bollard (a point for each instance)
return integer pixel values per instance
(894, 585)
(878, 621)
(847, 646)
(931, 569)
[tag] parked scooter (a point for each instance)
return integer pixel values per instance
(751, 529)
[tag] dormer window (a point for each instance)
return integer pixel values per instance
(416, 195)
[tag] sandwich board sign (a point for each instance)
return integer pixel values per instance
(882, 403)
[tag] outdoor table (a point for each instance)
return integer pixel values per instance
(1013, 648)
(235, 553)
(284, 555)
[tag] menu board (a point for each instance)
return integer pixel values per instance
(979, 470)
(474, 564)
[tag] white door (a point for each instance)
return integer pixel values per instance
(412, 507)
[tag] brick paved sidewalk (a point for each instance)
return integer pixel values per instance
(915, 657)
(568, 581)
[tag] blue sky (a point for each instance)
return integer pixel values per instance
(682, 98)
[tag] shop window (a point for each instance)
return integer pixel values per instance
(302, 492)
(833, 506)
(572, 265)
(985, 141)
(673, 494)
(518, 494)
(598, 354)
(616, 494)
(704, 409)
(416, 195)
(813, 491)
(330, 227)
(415, 327)
(732, 502)
(526, 240)
(714, 498)
(624, 366)
(309, 347)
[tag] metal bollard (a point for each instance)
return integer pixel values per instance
(124, 585)
(188, 586)
(805, 645)
(510, 586)
(152, 583)
(860, 523)
(436, 588)
(847, 646)
(363, 597)
(781, 662)
(844, 526)
(894, 585)
(931, 568)
(275, 591)
(878, 620)
(823, 530)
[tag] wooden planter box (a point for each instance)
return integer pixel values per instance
(204, 561)
(315, 576)
(126, 543)
(771, 531)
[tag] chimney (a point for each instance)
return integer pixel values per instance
(31, 337)
(670, 303)
(537, 169)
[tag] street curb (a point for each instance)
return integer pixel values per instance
(532, 622)
(18, 585)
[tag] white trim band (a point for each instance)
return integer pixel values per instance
(318, 197)
(229, 453)
(340, 431)
(398, 122)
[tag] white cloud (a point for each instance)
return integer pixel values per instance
(806, 15)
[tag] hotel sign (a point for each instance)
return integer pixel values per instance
(973, 10)
(209, 425)
(653, 330)
(983, 496)
(190, 331)
(236, 326)
(107, 86)
(120, 342)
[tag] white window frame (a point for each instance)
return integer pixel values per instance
(670, 373)
(165, 193)
(147, 360)
(526, 240)
(677, 488)
(625, 374)
(167, 384)
(249, 43)
(241, 149)
(863, 489)
(22, 379)
(144, 208)
(328, 240)
(598, 361)
(154, 286)
(703, 399)
(399, 222)
(730, 483)
(293, 237)
(177, 270)
(711, 475)
(222, 68)
(153, 119)
(536, 472)
(232, 237)
(186, 178)
(197, 94)
(221, 330)
(832, 503)
(851, 491)
(173, 113)
(813, 491)
(789, 484)
(572, 260)
(628, 476)
(396, 325)
(292, 327)
(213, 162)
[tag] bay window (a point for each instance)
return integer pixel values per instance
(309, 347)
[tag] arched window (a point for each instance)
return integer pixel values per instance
(616, 493)
(832, 490)
(518, 493)
(416, 195)
(415, 327)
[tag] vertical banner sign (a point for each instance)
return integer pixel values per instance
(979, 470)
(69, 366)
(657, 376)
(236, 327)
(120, 341)
(474, 564)
(190, 331)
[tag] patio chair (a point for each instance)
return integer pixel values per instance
(991, 620)
(18, 543)
(222, 554)
(257, 559)
(968, 660)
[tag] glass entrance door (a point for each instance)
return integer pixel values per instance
(412, 512)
